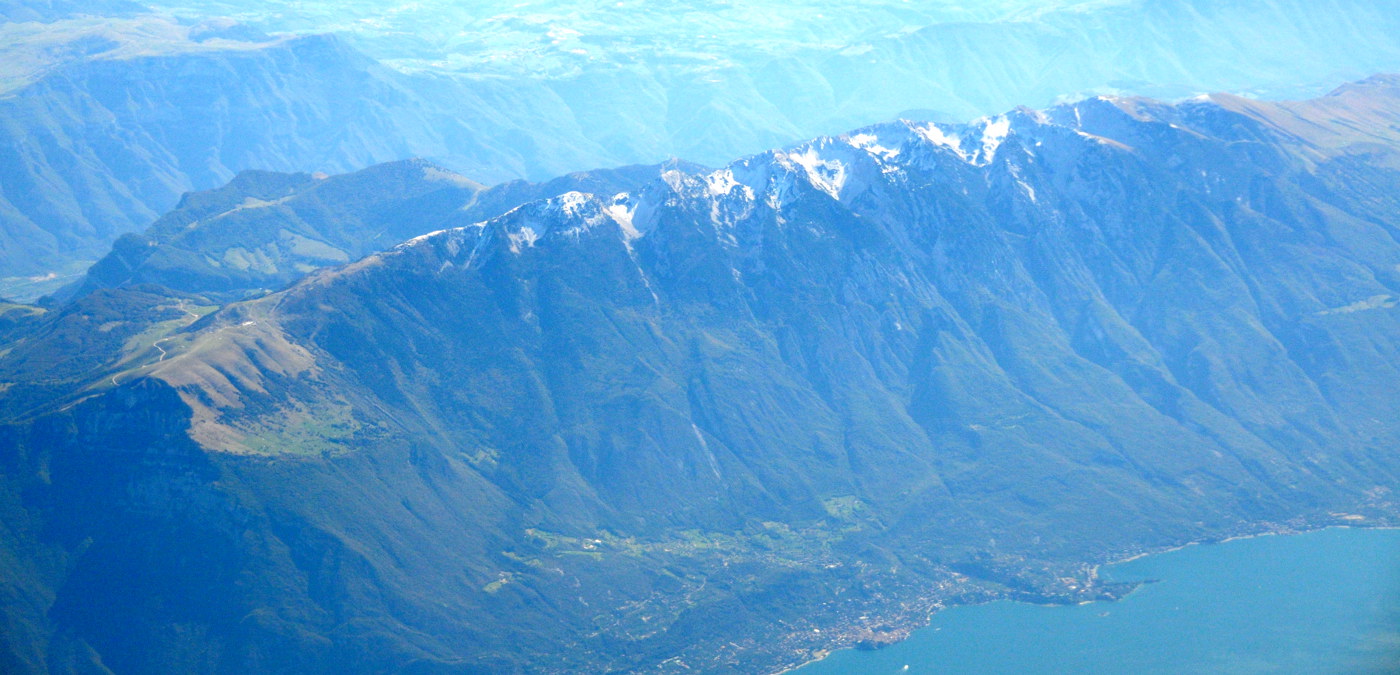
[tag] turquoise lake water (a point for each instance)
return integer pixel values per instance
(1321, 602)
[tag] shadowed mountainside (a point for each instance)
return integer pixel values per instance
(729, 418)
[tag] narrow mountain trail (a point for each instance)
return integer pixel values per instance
(182, 306)
(193, 318)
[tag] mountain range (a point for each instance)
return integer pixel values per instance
(709, 82)
(109, 113)
(264, 230)
(675, 418)
(107, 122)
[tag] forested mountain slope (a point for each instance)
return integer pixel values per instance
(815, 393)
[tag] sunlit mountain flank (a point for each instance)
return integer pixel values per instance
(717, 337)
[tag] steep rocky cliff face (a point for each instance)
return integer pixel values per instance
(820, 388)
(97, 484)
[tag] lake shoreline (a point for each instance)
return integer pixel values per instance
(1330, 522)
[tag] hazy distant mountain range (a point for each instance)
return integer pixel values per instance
(105, 122)
(101, 146)
(676, 418)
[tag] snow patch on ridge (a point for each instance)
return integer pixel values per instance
(675, 180)
(827, 175)
(993, 135)
(871, 144)
(621, 211)
(521, 238)
(988, 139)
(420, 239)
(571, 204)
(570, 214)
(721, 182)
(935, 135)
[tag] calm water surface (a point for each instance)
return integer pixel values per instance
(1322, 602)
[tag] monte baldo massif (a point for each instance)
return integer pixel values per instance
(110, 111)
(675, 418)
